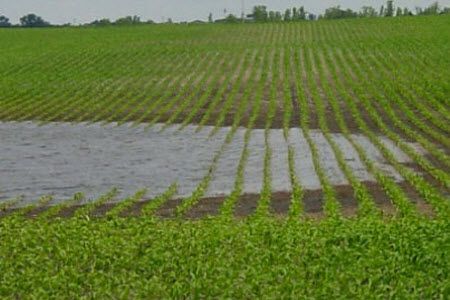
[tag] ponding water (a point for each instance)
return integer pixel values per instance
(61, 159)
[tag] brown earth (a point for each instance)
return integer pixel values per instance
(313, 202)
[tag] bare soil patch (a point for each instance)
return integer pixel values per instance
(167, 210)
(381, 199)
(246, 205)
(206, 207)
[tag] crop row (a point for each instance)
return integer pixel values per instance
(308, 75)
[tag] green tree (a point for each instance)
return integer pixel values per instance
(294, 14)
(407, 12)
(433, 9)
(128, 20)
(399, 12)
(381, 14)
(101, 22)
(275, 16)
(231, 19)
(271, 16)
(337, 13)
(210, 18)
(389, 8)
(32, 20)
(302, 13)
(287, 15)
(260, 13)
(368, 12)
(278, 16)
(4, 22)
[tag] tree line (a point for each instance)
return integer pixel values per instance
(30, 20)
(259, 14)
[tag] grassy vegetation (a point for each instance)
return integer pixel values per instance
(143, 257)
(372, 77)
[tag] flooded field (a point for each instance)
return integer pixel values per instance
(61, 159)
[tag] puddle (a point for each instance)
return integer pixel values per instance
(254, 169)
(62, 158)
(224, 177)
(304, 166)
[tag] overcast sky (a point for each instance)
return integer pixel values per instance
(82, 11)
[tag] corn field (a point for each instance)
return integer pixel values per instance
(325, 168)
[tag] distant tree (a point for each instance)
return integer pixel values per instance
(260, 13)
(368, 12)
(195, 22)
(278, 16)
(381, 14)
(399, 12)
(101, 22)
(210, 18)
(389, 8)
(433, 9)
(419, 10)
(32, 20)
(407, 12)
(275, 16)
(272, 16)
(4, 22)
(128, 20)
(295, 16)
(169, 21)
(136, 20)
(231, 19)
(287, 15)
(302, 13)
(311, 17)
(337, 13)
(445, 11)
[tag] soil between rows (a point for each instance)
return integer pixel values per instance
(246, 205)
(229, 119)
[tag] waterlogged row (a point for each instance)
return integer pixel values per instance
(61, 159)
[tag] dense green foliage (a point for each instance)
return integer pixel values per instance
(4, 21)
(140, 73)
(143, 258)
(32, 20)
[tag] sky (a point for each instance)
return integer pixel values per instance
(83, 11)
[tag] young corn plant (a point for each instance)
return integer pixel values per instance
(150, 208)
(84, 211)
(55, 210)
(126, 204)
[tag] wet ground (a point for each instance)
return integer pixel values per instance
(61, 159)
